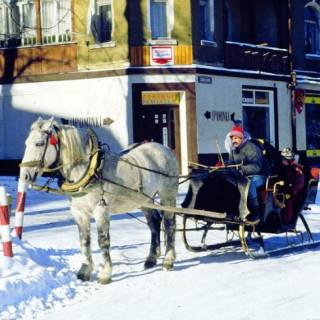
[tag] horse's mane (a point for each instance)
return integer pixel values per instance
(72, 145)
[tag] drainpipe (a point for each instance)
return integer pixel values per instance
(293, 80)
(38, 22)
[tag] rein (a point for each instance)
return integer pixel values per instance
(93, 171)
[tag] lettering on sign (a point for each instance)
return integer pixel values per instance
(154, 98)
(161, 55)
(205, 79)
(88, 122)
(217, 115)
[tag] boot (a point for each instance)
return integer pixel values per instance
(254, 217)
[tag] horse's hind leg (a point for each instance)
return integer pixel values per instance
(154, 222)
(102, 218)
(83, 222)
(169, 230)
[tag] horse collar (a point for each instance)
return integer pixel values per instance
(92, 169)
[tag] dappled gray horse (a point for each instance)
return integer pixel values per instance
(102, 183)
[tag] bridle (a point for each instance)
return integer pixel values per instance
(54, 140)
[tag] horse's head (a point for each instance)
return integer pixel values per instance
(42, 150)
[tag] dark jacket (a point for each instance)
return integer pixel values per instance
(293, 177)
(253, 162)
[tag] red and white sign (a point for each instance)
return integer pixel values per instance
(299, 100)
(161, 55)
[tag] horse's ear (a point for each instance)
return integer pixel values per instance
(51, 120)
(53, 139)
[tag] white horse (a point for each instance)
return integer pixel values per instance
(120, 184)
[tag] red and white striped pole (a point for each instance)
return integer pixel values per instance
(5, 223)
(21, 199)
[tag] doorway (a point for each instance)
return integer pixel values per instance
(160, 124)
(166, 113)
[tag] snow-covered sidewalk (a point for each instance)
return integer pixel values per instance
(39, 282)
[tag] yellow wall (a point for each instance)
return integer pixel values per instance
(91, 56)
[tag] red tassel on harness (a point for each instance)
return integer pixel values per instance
(52, 139)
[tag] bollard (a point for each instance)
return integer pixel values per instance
(21, 198)
(5, 223)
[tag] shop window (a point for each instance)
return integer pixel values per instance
(311, 29)
(55, 21)
(257, 114)
(102, 21)
(17, 23)
(159, 19)
(206, 20)
(312, 109)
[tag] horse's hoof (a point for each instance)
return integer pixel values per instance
(167, 266)
(83, 277)
(150, 263)
(104, 280)
(84, 272)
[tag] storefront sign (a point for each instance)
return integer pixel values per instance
(313, 153)
(165, 97)
(161, 55)
(312, 100)
(299, 100)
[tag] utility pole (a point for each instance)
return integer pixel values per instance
(293, 80)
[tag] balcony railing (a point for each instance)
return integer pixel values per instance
(256, 57)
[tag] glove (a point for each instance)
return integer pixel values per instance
(218, 164)
(287, 196)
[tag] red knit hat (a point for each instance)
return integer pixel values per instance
(237, 131)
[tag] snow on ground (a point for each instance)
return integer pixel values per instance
(39, 282)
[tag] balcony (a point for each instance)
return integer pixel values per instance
(256, 58)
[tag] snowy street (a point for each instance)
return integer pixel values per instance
(40, 282)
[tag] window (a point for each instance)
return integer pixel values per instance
(258, 114)
(159, 19)
(101, 21)
(311, 30)
(206, 20)
(55, 21)
(17, 23)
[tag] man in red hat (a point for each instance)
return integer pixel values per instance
(253, 165)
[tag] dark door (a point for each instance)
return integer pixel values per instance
(160, 124)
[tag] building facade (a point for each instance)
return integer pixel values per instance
(173, 71)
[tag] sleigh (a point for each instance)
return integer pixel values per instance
(115, 183)
(219, 199)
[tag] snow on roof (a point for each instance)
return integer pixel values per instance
(243, 44)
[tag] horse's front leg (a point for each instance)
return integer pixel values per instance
(154, 222)
(83, 222)
(102, 218)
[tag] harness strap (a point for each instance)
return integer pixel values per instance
(30, 164)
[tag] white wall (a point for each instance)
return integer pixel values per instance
(225, 94)
(21, 104)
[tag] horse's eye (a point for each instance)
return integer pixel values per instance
(40, 144)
